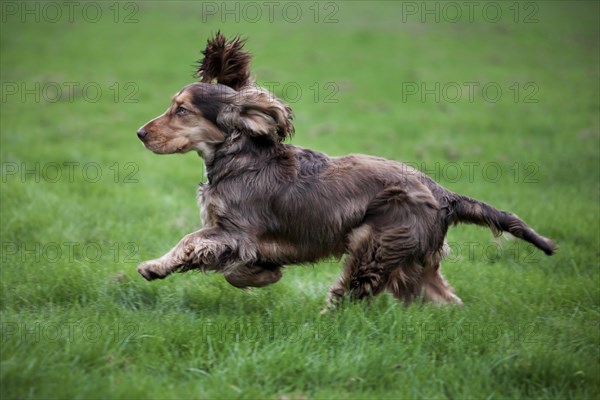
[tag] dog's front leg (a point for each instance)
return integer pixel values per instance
(200, 249)
(245, 276)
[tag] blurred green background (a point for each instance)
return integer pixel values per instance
(495, 100)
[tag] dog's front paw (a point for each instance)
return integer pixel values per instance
(151, 270)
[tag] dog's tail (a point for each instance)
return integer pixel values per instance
(225, 62)
(471, 211)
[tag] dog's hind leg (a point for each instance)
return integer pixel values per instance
(364, 276)
(436, 289)
(390, 249)
(405, 283)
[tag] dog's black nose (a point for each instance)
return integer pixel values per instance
(142, 133)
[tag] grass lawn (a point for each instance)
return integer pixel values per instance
(498, 101)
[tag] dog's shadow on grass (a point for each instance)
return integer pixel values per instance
(209, 295)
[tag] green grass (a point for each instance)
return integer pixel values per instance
(78, 322)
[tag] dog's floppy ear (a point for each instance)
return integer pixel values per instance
(257, 112)
(226, 62)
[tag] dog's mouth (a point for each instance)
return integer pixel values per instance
(164, 147)
(155, 147)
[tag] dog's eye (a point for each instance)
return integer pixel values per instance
(181, 111)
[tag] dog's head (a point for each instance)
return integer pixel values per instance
(224, 103)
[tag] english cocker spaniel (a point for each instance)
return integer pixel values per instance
(267, 204)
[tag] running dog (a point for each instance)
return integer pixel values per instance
(267, 204)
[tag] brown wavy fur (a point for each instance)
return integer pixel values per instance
(268, 204)
(225, 62)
